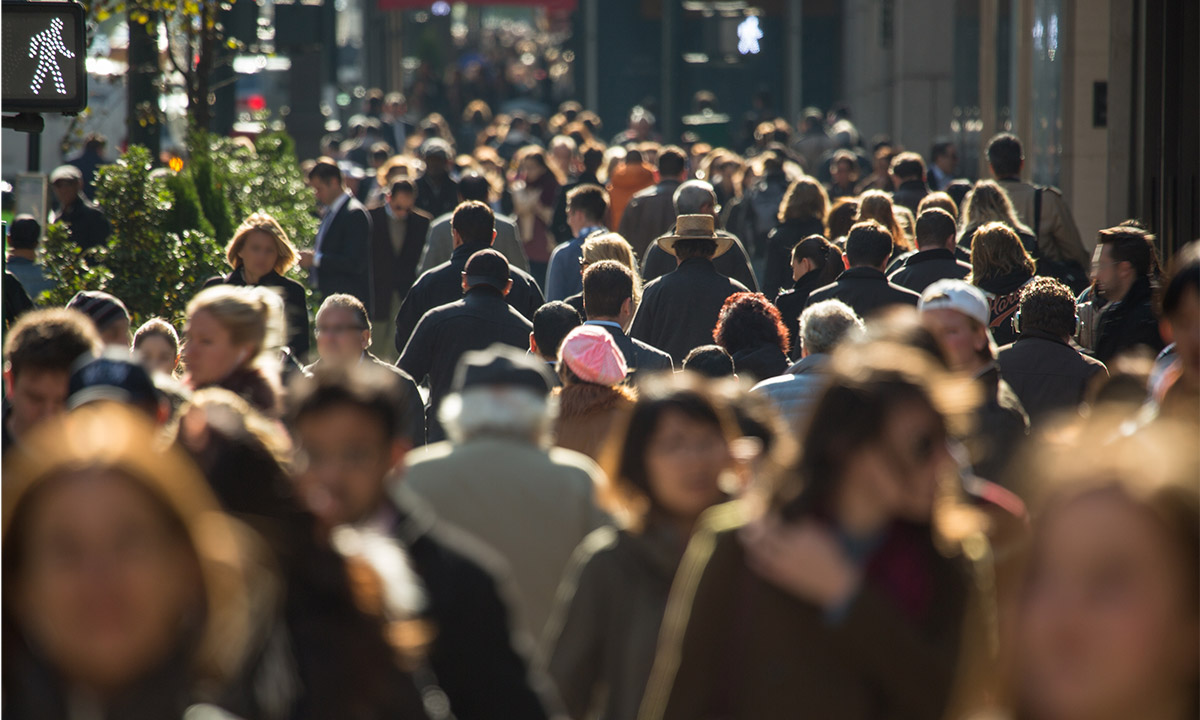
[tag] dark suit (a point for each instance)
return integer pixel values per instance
(345, 251)
(443, 284)
(295, 304)
(679, 310)
(922, 269)
(865, 290)
(639, 356)
(394, 272)
(474, 322)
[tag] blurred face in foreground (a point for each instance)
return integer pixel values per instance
(209, 351)
(258, 255)
(35, 395)
(961, 338)
(684, 462)
(108, 582)
(343, 461)
(1106, 630)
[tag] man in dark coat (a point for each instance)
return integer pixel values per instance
(934, 259)
(1047, 373)
(482, 317)
(864, 287)
(88, 227)
(908, 175)
(473, 228)
(355, 412)
(651, 212)
(608, 299)
(340, 261)
(343, 336)
(1123, 271)
(398, 231)
(679, 310)
(697, 197)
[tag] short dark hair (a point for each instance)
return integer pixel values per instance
(1005, 155)
(551, 323)
(606, 286)
(345, 301)
(24, 232)
(591, 200)
(372, 390)
(1133, 245)
(1185, 274)
(49, 340)
(593, 157)
(672, 161)
(474, 222)
(908, 165)
(711, 361)
(940, 148)
(325, 169)
(473, 186)
(688, 249)
(868, 244)
(1049, 306)
(94, 141)
(934, 227)
(403, 185)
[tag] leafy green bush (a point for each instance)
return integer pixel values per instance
(186, 213)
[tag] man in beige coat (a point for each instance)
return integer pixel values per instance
(498, 479)
(1057, 235)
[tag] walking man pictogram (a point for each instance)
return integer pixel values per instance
(47, 46)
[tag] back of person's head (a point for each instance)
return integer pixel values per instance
(878, 206)
(935, 229)
(692, 196)
(957, 190)
(1134, 245)
(825, 256)
(710, 361)
(1046, 306)
(364, 387)
(95, 142)
(908, 166)
(1005, 155)
(24, 232)
(589, 199)
(593, 157)
(940, 148)
(805, 198)
(988, 202)
(551, 323)
(1184, 279)
(672, 161)
(869, 244)
(841, 217)
(474, 222)
(939, 200)
(996, 250)
(346, 301)
(749, 320)
(326, 170)
(473, 186)
(607, 284)
(825, 324)
(48, 340)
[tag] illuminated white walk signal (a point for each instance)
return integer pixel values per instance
(749, 33)
(44, 52)
(46, 46)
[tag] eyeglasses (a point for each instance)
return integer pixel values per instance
(338, 329)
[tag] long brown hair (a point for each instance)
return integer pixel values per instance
(995, 251)
(877, 205)
(804, 198)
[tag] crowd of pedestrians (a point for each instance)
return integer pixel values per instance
(623, 429)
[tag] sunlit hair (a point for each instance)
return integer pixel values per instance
(627, 494)
(841, 218)
(938, 199)
(748, 320)
(115, 439)
(264, 223)
(612, 246)
(804, 198)
(987, 202)
(995, 251)
(877, 205)
(251, 316)
(499, 411)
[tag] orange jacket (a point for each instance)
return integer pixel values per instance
(626, 180)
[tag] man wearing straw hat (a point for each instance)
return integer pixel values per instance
(679, 309)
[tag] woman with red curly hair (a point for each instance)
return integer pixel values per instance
(751, 330)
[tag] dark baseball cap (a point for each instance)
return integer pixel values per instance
(502, 365)
(112, 376)
(487, 267)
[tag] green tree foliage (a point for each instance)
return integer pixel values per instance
(186, 214)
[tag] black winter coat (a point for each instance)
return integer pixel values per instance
(679, 310)
(865, 290)
(1129, 323)
(791, 304)
(443, 284)
(760, 362)
(924, 268)
(1047, 374)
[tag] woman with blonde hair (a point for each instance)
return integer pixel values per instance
(260, 253)
(1001, 268)
(801, 213)
(607, 246)
(985, 203)
(229, 334)
(877, 205)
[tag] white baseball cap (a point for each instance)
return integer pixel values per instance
(956, 295)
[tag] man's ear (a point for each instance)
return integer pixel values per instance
(397, 450)
(533, 345)
(626, 307)
(1164, 329)
(8, 379)
(366, 339)
(465, 286)
(508, 286)
(456, 237)
(493, 240)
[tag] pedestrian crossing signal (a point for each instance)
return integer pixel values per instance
(44, 54)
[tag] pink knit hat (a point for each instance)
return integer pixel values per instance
(590, 352)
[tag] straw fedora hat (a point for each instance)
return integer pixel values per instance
(695, 227)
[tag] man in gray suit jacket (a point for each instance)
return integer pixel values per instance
(440, 243)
